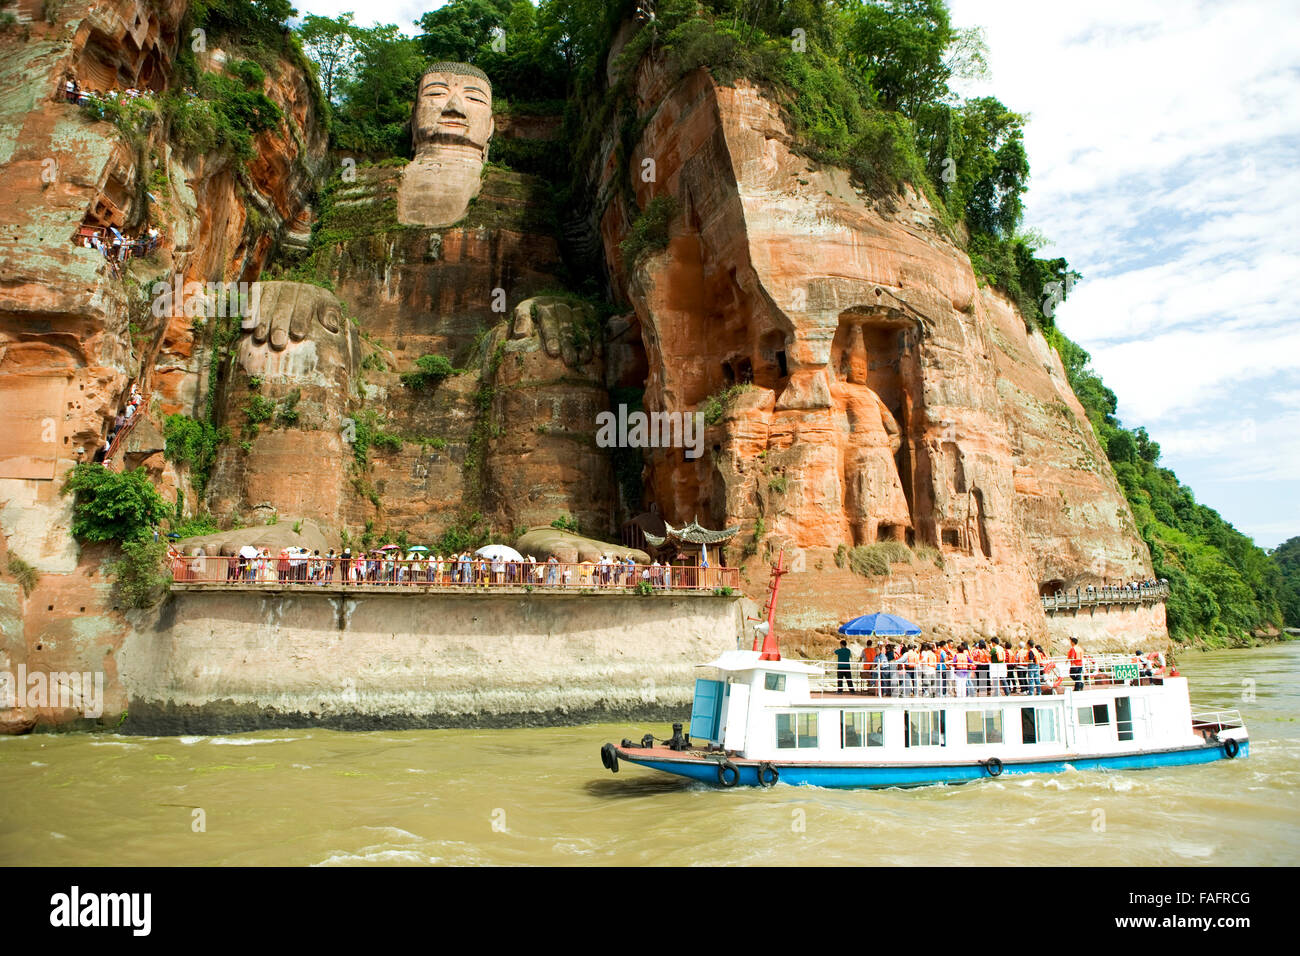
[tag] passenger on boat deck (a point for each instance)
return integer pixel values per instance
(911, 666)
(844, 669)
(870, 676)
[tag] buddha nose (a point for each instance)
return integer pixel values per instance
(454, 105)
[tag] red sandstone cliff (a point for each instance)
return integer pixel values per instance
(893, 398)
(73, 336)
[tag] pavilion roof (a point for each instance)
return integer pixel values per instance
(692, 533)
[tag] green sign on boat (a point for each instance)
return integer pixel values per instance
(1125, 672)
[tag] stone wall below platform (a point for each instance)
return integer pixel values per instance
(219, 662)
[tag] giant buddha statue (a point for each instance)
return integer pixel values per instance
(450, 131)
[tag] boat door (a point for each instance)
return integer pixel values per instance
(1130, 717)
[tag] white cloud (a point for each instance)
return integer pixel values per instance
(1163, 141)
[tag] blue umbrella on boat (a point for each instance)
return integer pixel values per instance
(880, 624)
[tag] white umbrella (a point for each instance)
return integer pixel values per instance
(248, 551)
(494, 551)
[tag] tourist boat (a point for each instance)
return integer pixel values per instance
(760, 719)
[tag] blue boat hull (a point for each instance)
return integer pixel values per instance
(912, 775)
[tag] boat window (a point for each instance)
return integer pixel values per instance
(860, 728)
(1038, 725)
(773, 681)
(983, 726)
(925, 728)
(796, 731)
(1096, 715)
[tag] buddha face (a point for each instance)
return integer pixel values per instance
(452, 109)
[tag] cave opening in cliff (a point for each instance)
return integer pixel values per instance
(980, 529)
(1048, 588)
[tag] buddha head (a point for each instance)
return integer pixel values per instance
(453, 109)
(450, 131)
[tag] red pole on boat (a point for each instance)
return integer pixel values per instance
(771, 648)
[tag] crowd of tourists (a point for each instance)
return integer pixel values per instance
(103, 454)
(117, 248)
(392, 566)
(995, 667)
(74, 92)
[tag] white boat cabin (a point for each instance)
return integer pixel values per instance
(789, 710)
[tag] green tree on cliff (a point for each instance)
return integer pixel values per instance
(331, 45)
(113, 506)
(375, 111)
(1287, 558)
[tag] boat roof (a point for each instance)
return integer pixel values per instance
(737, 661)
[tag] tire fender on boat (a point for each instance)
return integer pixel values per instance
(609, 757)
(993, 766)
(767, 775)
(1231, 748)
(725, 768)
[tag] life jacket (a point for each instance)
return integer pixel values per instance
(981, 656)
(962, 660)
(913, 658)
(929, 658)
(1075, 655)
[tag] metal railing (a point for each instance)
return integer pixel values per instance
(895, 679)
(374, 571)
(1095, 597)
(1206, 722)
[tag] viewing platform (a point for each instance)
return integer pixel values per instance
(1100, 597)
(390, 576)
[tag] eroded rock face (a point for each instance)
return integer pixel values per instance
(298, 354)
(889, 400)
(450, 130)
(550, 387)
(73, 337)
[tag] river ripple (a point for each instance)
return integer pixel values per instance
(540, 796)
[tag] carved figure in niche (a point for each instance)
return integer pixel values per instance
(873, 489)
(450, 131)
(297, 335)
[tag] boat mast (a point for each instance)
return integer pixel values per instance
(771, 647)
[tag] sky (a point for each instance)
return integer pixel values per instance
(1164, 143)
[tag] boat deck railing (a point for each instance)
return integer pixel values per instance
(1212, 721)
(894, 679)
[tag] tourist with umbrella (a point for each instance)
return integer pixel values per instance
(882, 624)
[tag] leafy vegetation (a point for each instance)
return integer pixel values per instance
(871, 560)
(649, 233)
(113, 506)
(193, 442)
(1287, 558)
(716, 405)
(566, 523)
(468, 533)
(202, 523)
(370, 431)
(22, 572)
(430, 370)
(142, 575)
